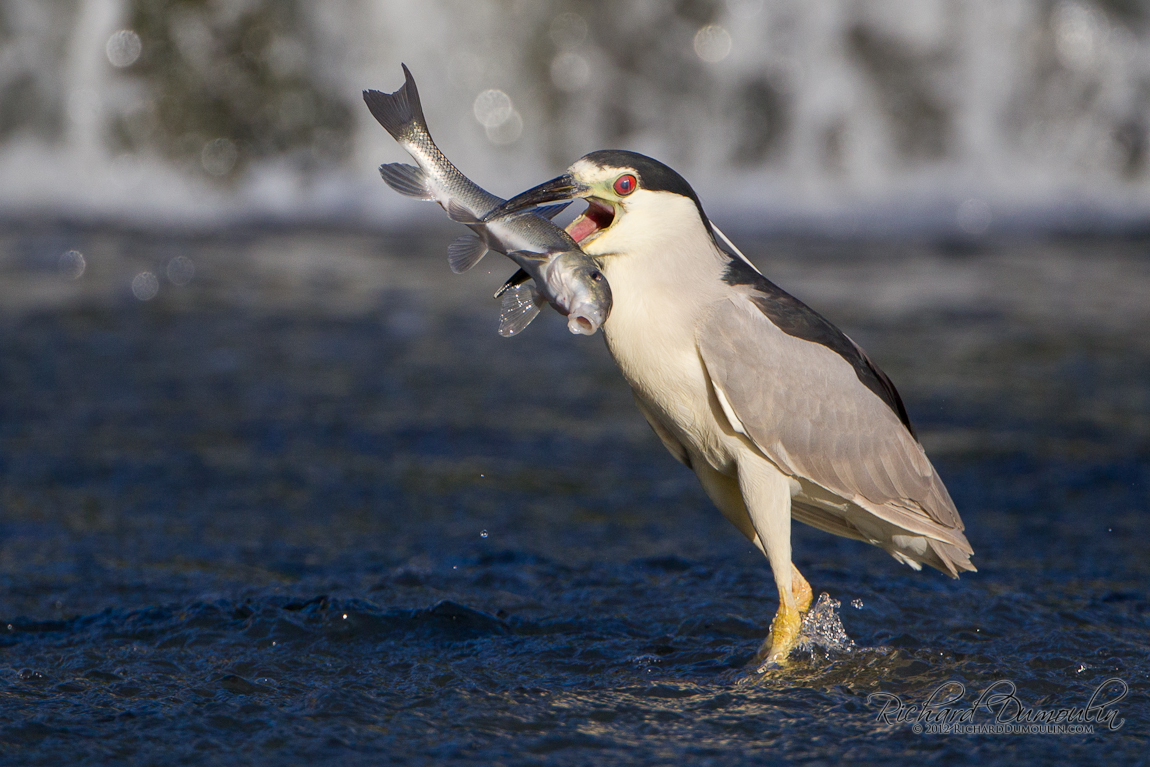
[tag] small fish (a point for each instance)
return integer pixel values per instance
(563, 275)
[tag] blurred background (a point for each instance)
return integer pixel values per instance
(971, 115)
(272, 487)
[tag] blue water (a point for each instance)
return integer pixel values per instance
(255, 521)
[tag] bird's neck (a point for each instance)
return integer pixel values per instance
(663, 281)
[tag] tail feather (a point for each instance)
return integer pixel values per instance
(400, 111)
(953, 559)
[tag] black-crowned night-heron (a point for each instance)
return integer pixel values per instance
(778, 413)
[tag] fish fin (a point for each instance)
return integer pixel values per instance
(465, 253)
(519, 306)
(518, 256)
(400, 111)
(456, 212)
(513, 281)
(551, 211)
(407, 180)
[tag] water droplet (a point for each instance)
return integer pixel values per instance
(219, 156)
(274, 643)
(10, 627)
(145, 286)
(492, 108)
(506, 132)
(181, 270)
(345, 616)
(483, 534)
(568, 30)
(712, 43)
(123, 48)
(857, 604)
(71, 264)
(570, 72)
(455, 567)
(1080, 35)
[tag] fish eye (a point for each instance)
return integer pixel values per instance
(625, 184)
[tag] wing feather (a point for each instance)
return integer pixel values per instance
(803, 407)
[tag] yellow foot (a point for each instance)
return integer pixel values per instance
(785, 627)
(783, 637)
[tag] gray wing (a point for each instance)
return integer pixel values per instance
(803, 407)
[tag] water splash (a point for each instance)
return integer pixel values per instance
(822, 630)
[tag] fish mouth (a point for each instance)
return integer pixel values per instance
(584, 321)
(581, 325)
(598, 216)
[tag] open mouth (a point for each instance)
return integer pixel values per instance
(595, 219)
(581, 325)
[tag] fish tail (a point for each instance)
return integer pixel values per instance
(400, 112)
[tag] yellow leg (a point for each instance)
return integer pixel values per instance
(801, 589)
(758, 503)
(784, 635)
(788, 620)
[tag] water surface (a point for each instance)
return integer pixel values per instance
(309, 507)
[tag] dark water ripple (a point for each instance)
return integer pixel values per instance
(245, 526)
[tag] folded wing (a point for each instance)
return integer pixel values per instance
(803, 407)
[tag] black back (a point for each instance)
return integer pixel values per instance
(795, 318)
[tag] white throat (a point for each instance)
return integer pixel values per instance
(660, 259)
(665, 272)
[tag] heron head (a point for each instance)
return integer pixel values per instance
(628, 195)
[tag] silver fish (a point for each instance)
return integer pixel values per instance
(563, 275)
(576, 287)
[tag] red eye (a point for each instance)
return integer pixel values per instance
(625, 184)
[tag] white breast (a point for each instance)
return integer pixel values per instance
(663, 282)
